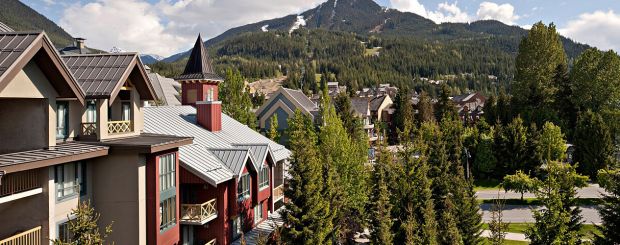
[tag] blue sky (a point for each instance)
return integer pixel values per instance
(165, 27)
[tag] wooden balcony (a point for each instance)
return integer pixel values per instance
(29, 237)
(278, 193)
(89, 129)
(198, 214)
(20, 183)
(212, 242)
(120, 127)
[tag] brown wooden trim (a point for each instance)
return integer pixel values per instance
(119, 84)
(64, 70)
(54, 161)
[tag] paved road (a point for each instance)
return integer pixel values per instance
(523, 214)
(509, 235)
(591, 191)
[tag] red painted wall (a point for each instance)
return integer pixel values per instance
(209, 115)
(202, 90)
(154, 236)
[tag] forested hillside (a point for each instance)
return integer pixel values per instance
(23, 18)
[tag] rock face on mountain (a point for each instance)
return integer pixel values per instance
(365, 17)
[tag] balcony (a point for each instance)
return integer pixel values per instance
(198, 214)
(19, 185)
(369, 126)
(29, 237)
(120, 127)
(89, 129)
(278, 193)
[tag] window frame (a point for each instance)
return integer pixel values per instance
(263, 180)
(125, 114)
(243, 190)
(258, 213)
(167, 191)
(91, 111)
(65, 129)
(167, 214)
(79, 180)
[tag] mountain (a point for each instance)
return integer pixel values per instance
(20, 17)
(148, 59)
(365, 17)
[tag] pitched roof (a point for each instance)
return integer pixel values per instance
(19, 48)
(259, 152)
(302, 99)
(360, 105)
(376, 102)
(167, 89)
(103, 75)
(199, 65)
(61, 153)
(198, 157)
(5, 28)
(234, 158)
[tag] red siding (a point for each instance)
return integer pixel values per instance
(202, 90)
(154, 236)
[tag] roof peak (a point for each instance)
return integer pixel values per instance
(199, 65)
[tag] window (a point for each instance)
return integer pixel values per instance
(236, 226)
(64, 234)
(126, 107)
(264, 178)
(62, 119)
(167, 213)
(192, 95)
(91, 111)
(70, 180)
(243, 187)
(258, 213)
(167, 191)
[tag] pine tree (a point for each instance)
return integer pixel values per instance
(274, 134)
(84, 227)
(610, 227)
(445, 105)
(403, 113)
(381, 219)
(497, 226)
(306, 216)
(593, 143)
(236, 101)
(425, 109)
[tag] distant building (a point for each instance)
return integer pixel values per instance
(361, 109)
(470, 106)
(167, 89)
(283, 103)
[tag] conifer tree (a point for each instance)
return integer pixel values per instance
(274, 134)
(445, 105)
(425, 109)
(610, 227)
(593, 143)
(381, 207)
(236, 101)
(306, 216)
(84, 228)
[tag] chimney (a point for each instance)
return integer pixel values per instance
(199, 86)
(79, 43)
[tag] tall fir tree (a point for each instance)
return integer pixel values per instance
(609, 211)
(593, 143)
(425, 109)
(274, 134)
(445, 106)
(307, 215)
(236, 101)
(381, 207)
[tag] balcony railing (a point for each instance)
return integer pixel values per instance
(278, 192)
(29, 237)
(212, 242)
(89, 129)
(198, 214)
(19, 182)
(120, 127)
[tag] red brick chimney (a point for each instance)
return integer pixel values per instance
(199, 86)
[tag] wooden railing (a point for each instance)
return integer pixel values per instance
(119, 127)
(29, 237)
(89, 128)
(278, 192)
(199, 213)
(212, 242)
(19, 182)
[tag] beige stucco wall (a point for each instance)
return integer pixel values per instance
(120, 196)
(116, 106)
(386, 103)
(26, 213)
(30, 82)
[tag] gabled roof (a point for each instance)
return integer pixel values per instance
(167, 89)
(19, 48)
(199, 65)
(198, 157)
(302, 99)
(360, 105)
(259, 152)
(5, 28)
(235, 158)
(103, 75)
(298, 99)
(376, 102)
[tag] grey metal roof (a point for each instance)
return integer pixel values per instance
(258, 152)
(5, 28)
(302, 99)
(181, 121)
(99, 74)
(233, 158)
(167, 89)
(12, 46)
(64, 150)
(199, 65)
(360, 105)
(375, 102)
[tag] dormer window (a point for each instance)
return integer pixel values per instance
(243, 187)
(62, 119)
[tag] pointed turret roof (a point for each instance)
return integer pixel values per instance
(199, 65)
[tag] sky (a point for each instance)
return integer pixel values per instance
(166, 27)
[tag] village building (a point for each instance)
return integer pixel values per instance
(470, 106)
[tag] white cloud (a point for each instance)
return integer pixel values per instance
(599, 29)
(501, 12)
(445, 12)
(412, 6)
(169, 26)
(49, 2)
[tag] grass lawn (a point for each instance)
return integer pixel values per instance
(586, 229)
(535, 201)
(486, 185)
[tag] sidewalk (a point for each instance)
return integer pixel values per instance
(509, 236)
(264, 229)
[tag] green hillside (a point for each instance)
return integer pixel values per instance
(23, 18)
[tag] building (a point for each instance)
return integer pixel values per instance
(71, 130)
(283, 103)
(167, 89)
(470, 106)
(361, 109)
(381, 109)
(231, 177)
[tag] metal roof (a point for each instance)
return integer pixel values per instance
(181, 121)
(5, 28)
(376, 102)
(234, 159)
(199, 65)
(61, 153)
(149, 143)
(12, 46)
(302, 99)
(360, 105)
(102, 75)
(166, 88)
(258, 152)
